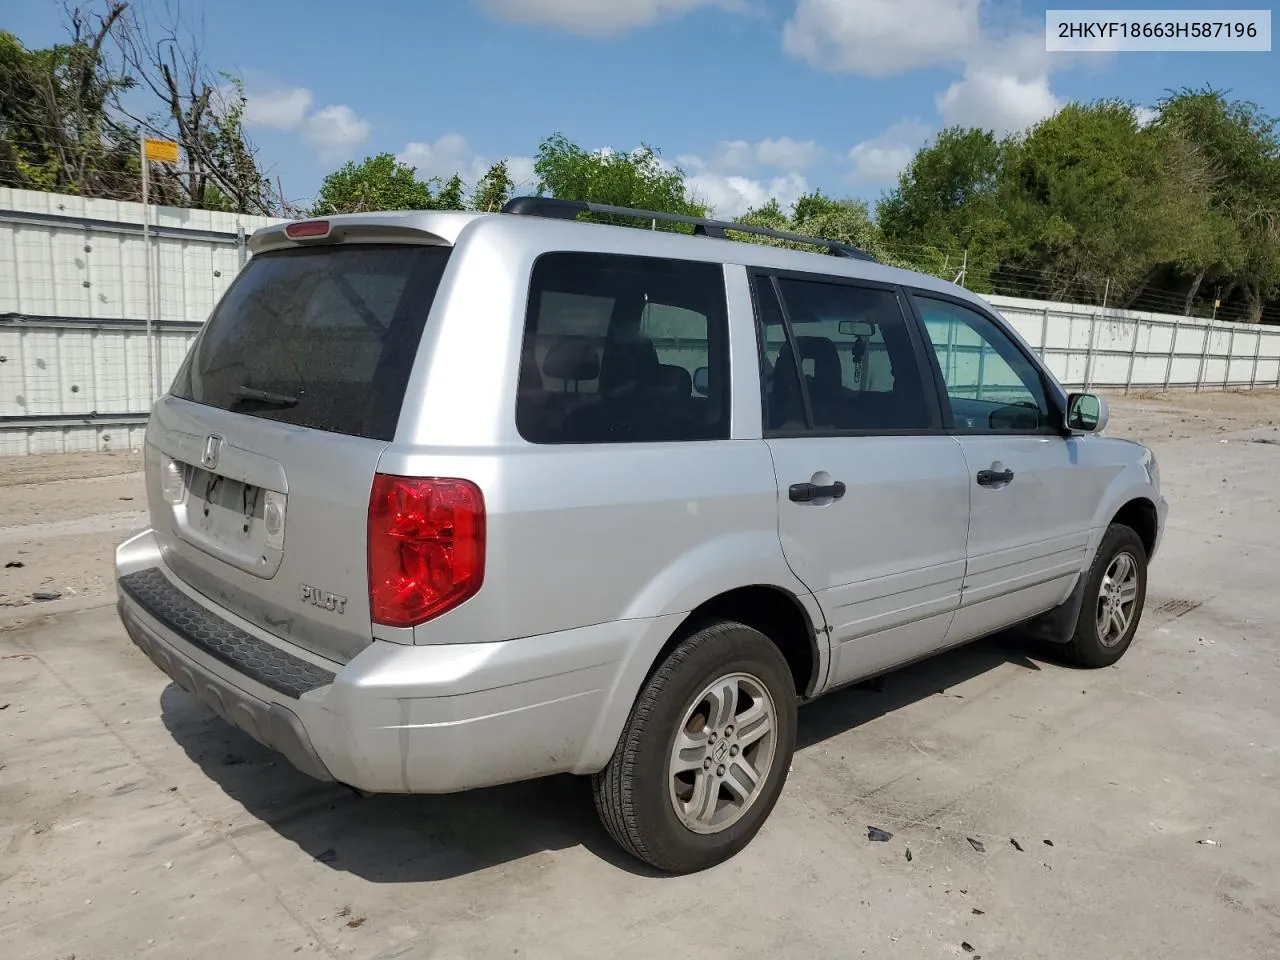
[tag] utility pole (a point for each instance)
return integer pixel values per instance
(164, 151)
(145, 162)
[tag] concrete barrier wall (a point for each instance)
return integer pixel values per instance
(74, 365)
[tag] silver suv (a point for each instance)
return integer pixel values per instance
(445, 500)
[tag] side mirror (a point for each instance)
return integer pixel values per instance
(702, 382)
(1087, 413)
(857, 328)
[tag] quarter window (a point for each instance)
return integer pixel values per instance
(624, 349)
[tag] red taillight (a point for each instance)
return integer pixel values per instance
(426, 547)
(307, 229)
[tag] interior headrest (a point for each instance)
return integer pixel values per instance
(825, 357)
(629, 360)
(675, 380)
(573, 359)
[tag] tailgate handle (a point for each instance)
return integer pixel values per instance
(805, 492)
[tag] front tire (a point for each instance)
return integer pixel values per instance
(1114, 594)
(705, 753)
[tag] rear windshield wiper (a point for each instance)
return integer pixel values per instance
(246, 392)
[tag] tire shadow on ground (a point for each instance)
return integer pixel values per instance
(407, 839)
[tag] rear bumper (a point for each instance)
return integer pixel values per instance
(397, 718)
(271, 724)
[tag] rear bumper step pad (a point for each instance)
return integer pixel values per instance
(256, 659)
(272, 725)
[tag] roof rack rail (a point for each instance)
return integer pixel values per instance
(556, 209)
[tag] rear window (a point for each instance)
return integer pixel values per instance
(322, 337)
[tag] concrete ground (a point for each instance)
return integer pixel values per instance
(134, 824)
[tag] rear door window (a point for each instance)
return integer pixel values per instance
(622, 349)
(839, 354)
(321, 337)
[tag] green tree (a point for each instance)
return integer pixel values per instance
(493, 189)
(57, 129)
(770, 215)
(1240, 145)
(846, 220)
(64, 125)
(635, 179)
(231, 179)
(376, 183)
(199, 108)
(1097, 205)
(815, 214)
(450, 195)
(946, 211)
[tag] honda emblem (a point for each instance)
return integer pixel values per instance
(212, 450)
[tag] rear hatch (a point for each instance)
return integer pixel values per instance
(262, 457)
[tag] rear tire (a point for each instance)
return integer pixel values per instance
(705, 752)
(1114, 593)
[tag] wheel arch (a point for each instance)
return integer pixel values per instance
(775, 612)
(1140, 515)
(792, 621)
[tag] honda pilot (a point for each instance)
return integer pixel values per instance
(444, 500)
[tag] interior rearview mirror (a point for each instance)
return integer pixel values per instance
(702, 382)
(857, 328)
(1086, 413)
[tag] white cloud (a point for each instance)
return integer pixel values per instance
(448, 155)
(787, 154)
(730, 196)
(733, 156)
(880, 159)
(739, 156)
(522, 174)
(880, 38)
(1145, 115)
(997, 101)
(335, 131)
(1006, 70)
(283, 108)
(451, 153)
(600, 18)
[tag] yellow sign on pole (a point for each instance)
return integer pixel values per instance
(161, 151)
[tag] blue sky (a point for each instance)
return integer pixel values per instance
(751, 97)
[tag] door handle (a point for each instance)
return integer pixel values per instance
(989, 478)
(805, 492)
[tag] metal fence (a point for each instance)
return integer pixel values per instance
(1089, 348)
(74, 366)
(74, 277)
